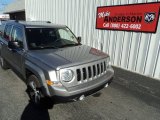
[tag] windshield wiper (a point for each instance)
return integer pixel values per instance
(50, 47)
(45, 47)
(69, 45)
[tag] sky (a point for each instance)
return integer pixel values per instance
(3, 3)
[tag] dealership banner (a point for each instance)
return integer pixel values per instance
(132, 17)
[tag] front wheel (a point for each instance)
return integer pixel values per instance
(33, 90)
(35, 94)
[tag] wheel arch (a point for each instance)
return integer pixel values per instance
(32, 69)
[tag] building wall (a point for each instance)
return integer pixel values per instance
(138, 52)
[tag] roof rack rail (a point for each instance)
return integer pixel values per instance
(41, 21)
(13, 20)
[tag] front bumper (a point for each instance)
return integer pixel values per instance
(88, 87)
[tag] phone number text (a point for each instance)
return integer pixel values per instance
(122, 26)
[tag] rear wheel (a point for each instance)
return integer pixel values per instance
(3, 63)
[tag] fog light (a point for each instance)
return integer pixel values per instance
(81, 97)
(106, 85)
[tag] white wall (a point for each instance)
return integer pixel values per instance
(139, 52)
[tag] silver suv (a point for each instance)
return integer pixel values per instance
(52, 61)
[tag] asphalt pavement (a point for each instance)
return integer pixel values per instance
(112, 103)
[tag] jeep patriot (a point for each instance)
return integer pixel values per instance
(52, 61)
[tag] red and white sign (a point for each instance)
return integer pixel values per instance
(133, 17)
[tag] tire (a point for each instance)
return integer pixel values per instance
(35, 94)
(3, 63)
(34, 91)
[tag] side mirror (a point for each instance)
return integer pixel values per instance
(13, 45)
(79, 39)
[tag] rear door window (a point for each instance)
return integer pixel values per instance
(2, 30)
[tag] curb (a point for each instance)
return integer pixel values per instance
(137, 82)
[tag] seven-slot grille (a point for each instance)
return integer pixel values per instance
(92, 71)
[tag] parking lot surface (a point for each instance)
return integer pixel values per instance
(112, 103)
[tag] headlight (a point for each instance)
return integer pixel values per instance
(66, 75)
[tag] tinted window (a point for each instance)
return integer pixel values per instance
(1, 33)
(64, 34)
(17, 35)
(7, 32)
(2, 29)
(46, 38)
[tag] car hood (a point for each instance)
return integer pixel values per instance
(67, 56)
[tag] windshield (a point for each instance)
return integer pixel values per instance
(45, 38)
